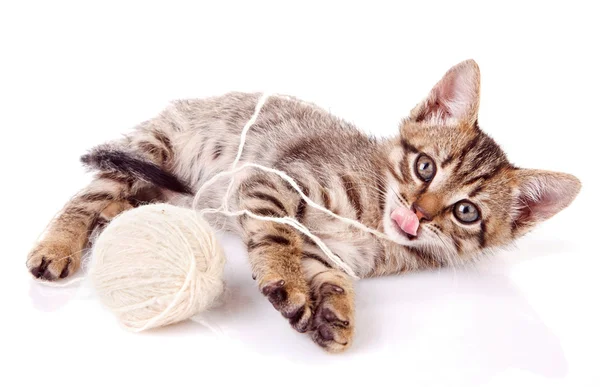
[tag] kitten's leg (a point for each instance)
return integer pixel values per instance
(59, 252)
(275, 252)
(333, 294)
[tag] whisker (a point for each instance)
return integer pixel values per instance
(447, 246)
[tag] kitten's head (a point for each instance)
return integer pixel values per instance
(455, 183)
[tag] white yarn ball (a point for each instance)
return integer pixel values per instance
(156, 265)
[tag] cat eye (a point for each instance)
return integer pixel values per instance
(466, 212)
(425, 168)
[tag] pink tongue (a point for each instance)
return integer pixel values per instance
(406, 220)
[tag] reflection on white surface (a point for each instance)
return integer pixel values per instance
(470, 324)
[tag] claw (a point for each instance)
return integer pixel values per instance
(65, 271)
(268, 289)
(331, 328)
(328, 288)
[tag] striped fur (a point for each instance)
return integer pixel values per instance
(337, 166)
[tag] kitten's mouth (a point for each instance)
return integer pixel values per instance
(405, 222)
(404, 233)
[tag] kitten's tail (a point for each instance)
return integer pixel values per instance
(111, 158)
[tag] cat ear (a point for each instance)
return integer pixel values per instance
(540, 195)
(454, 99)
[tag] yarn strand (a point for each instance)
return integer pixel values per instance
(224, 210)
(149, 295)
(259, 105)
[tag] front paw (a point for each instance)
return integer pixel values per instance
(333, 322)
(292, 301)
(51, 260)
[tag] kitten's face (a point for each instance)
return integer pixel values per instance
(453, 182)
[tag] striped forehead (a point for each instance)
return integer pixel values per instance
(479, 159)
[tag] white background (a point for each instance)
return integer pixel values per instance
(73, 75)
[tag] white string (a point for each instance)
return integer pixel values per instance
(295, 224)
(292, 222)
(245, 130)
(223, 209)
(294, 185)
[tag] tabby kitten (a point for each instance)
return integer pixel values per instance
(441, 179)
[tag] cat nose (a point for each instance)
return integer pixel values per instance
(427, 206)
(421, 212)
